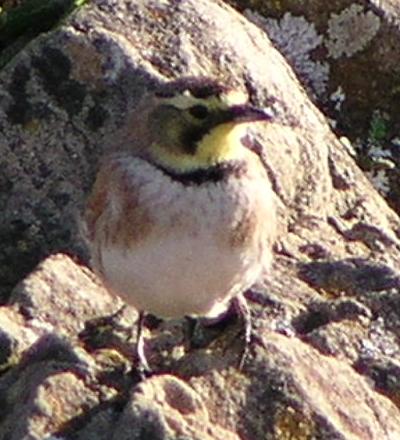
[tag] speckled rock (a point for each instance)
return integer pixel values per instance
(61, 385)
(334, 48)
(164, 407)
(324, 358)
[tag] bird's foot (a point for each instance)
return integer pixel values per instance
(194, 338)
(242, 310)
(142, 369)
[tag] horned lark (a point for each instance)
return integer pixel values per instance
(181, 220)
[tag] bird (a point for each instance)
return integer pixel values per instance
(181, 218)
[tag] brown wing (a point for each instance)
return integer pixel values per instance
(97, 201)
(115, 186)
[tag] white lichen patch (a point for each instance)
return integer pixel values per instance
(296, 38)
(376, 151)
(351, 31)
(377, 162)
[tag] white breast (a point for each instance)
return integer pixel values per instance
(186, 265)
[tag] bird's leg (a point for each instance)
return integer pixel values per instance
(242, 309)
(143, 366)
(189, 332)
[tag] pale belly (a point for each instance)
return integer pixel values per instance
(205, 242)
(180, 276)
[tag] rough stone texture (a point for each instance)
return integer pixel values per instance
(325, 355)
(305, 403)
(49, 383)
(60, 385)
(346, 54)
(165, 407)
(49, 304)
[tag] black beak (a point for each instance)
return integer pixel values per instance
(249, 113)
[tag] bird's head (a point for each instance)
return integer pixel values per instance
(199, 123)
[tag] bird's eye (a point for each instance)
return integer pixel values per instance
(199, 111)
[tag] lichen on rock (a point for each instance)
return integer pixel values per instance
(296, 38)
(351, 31)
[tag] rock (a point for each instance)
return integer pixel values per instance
(46, 398)
(292, 391)
(325, 349)
(165, 407)
(333, 48)
(48, 380)
(58, 292)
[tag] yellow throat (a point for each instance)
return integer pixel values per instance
(221, 144)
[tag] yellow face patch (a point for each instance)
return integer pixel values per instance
(223, 143)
